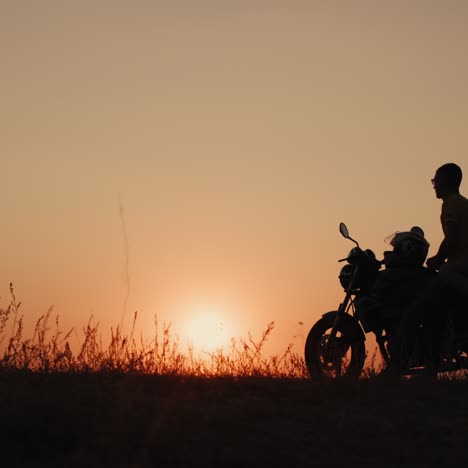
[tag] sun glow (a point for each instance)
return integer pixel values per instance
(207, 331)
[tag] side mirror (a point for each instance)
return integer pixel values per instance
(345, 233)
(344, 230)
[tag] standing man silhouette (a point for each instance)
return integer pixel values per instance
(451, 260)
(454, 219)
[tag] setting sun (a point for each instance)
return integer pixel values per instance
(207, 331)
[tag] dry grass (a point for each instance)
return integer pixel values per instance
(50, 351)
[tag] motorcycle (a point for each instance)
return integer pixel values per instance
(375, 301)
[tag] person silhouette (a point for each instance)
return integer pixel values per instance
(452, 256)
(451, 260)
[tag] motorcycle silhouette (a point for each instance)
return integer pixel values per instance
(376, 301)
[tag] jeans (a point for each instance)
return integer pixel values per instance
(429, 311)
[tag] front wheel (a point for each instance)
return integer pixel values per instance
(332, 358)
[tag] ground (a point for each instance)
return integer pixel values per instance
(139, 421)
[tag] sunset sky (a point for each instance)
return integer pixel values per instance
(222, 142)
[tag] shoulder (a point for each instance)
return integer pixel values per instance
(454, 207)
(454, 201)
(449, 209)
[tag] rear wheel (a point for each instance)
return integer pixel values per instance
(333, 358)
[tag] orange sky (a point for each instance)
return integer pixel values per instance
(237, 135)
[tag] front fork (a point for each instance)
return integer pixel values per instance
(344, 305)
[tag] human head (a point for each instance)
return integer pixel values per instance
(447, 180)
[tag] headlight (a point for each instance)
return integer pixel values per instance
(346, 275)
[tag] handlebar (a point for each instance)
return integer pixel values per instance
(381, 262)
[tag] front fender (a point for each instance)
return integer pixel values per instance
(350, 322)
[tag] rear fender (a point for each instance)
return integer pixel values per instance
(350, 322)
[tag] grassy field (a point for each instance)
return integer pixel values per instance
(135, 404)
(136, 420)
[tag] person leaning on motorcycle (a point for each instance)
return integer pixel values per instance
(451, 260)
(452, 257)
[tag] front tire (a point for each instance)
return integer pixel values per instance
(341, 357)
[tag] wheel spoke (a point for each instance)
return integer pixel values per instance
(334, 355)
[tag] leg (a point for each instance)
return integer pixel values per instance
(435, 324)
(428, 311)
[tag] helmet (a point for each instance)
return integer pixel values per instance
(410, 248)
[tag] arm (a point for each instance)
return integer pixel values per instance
(447, 246)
